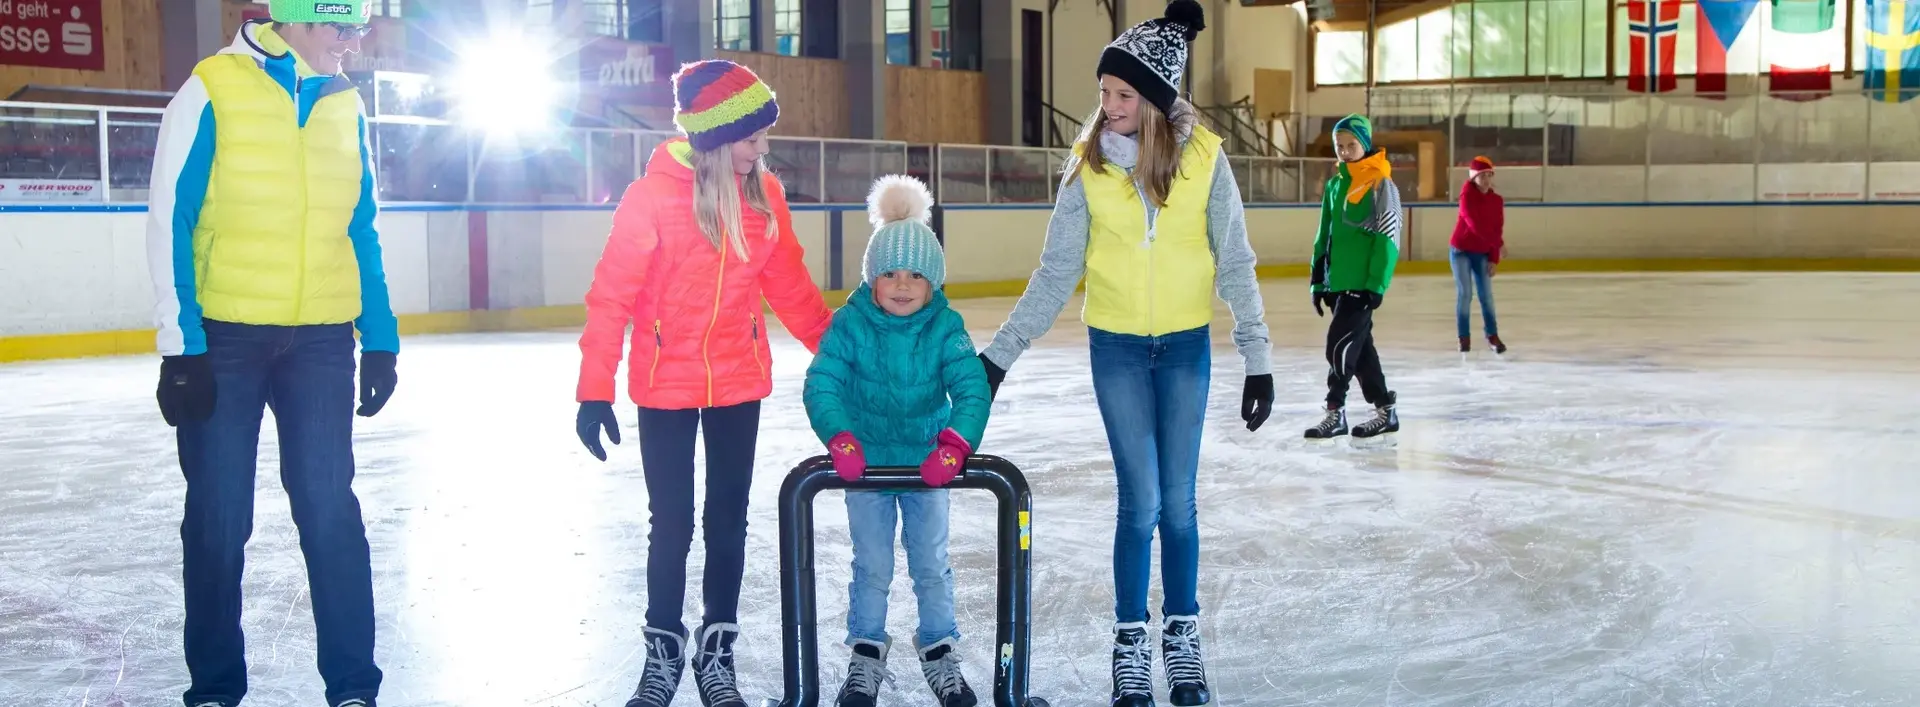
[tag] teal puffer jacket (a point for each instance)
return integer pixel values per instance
(896, 382)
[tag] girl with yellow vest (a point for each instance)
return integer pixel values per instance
(1149, 212)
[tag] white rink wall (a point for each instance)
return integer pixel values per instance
(68, 271)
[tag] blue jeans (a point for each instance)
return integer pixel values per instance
(306, 374)
(922, 517)
(1469, 274)
(1152, 393)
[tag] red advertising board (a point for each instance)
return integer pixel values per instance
(53, 34)
(630, 73)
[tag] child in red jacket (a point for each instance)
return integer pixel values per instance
(1477, 247)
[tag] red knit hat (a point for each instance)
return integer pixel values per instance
(1479, 164)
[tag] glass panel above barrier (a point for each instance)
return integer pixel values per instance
(798, 164)
(420, 162)
(1893, 148)
(852, 166)
(550, 172)
(920, 166)
(131, 139)
(50, 155)
(1017, 175)
(1813, 150)
(963, 174)
(612, 155)
(1606, 162)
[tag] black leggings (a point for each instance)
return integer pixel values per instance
(666, 452)
(1350, 352)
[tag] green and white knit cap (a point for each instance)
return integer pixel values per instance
(900, 208)
(353, 12)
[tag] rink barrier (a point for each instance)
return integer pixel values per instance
(800, 619)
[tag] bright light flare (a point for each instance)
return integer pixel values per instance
(505, 84)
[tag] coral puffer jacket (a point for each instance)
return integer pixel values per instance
(698, 336)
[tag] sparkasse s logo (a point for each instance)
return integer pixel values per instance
(332, 8)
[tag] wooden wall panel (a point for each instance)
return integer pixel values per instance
(936, 105)
(132, 44)
(812, 92)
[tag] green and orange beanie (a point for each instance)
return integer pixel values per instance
(718, 102)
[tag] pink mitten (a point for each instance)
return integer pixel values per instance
(950, 452)
(849, 458)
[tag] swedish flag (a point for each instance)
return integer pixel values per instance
(1893, 50)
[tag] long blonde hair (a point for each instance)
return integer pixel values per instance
(1159, 159)
(716, 198)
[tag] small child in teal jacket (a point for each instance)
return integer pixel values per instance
(897, 383)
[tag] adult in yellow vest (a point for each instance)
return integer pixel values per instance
(261, 240)
(1149, 212)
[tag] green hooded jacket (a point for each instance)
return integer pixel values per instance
(1358, 243)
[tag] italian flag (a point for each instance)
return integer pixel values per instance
(1800, 46)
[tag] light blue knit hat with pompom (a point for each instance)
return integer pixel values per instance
(900, 208)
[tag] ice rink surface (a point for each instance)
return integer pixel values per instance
(1685, 489)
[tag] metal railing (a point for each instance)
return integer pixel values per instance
(51, 147)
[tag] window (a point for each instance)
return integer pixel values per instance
(1339, 58)
(940, 22)
(1416, 50)
(733, 25)
(540, 13)
(1479, 39)
(604, 17)
(388, 8)
(901, 49)
(786, 27)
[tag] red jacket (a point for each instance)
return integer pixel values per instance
(1483, 221)
(698, 340)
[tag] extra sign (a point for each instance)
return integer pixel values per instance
(54, 34)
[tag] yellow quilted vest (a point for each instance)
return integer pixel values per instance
(1149, 288)
(271, 246)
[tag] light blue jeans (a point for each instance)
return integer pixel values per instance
(1470, 274)
(921, 517)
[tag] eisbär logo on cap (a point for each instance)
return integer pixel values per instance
(332, 8)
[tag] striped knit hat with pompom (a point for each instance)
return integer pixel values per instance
(718, 102)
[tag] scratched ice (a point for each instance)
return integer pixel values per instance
(1677, 490)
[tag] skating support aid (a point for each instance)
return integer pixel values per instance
(800, 645)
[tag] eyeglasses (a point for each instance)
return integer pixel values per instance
(349, 32)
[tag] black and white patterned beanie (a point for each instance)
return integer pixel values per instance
(1152, 56)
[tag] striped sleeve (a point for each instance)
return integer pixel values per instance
(379, 329)
(182, 167)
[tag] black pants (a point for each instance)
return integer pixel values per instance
(666, 452)
(1350, 352)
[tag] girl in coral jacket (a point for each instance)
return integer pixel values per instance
(1478, 242)
(696, 245)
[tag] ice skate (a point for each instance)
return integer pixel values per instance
(940, 663)
(865, 674)
(713, 666)
(1466, 344)
(1333, 425)
(1493, 340)
(1186, 667)
(666, 660)
(1384, 420)
(1132, 666)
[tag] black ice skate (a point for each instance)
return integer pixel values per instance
(1186, 668)
(1331, 426)
(865, 675)
(1132, 666)
(1384, 420)
(940, 663)
(713, 666)
(1494, 341)
(1466, 344)
(666, 660)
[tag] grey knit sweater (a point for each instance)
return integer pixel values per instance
(1064, 259)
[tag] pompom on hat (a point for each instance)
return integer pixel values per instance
(900, 208)
(353, 12)
(1152, 56)
(717, 102)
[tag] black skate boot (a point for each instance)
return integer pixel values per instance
(865, 675)
(666, 660)
(940, 663)
(1186, 668)
(713, 666)
(1331, 426)
(1132, 666)
(1493, 340)
(1466, 344)
(1384, 420)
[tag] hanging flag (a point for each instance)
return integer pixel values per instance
(1802, 16)
(1710, 58)
(1893, 50)
(1655, 28)
(1801, 49)
(1727, 18)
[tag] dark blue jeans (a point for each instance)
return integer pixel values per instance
(306, 374)
(666, 451)
(1470, 274)
(1152, 393)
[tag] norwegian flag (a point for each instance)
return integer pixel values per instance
(1654, 26)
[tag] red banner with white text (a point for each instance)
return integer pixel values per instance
(53, 34)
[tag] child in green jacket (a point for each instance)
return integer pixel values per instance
(1354, 253)
(897, 383)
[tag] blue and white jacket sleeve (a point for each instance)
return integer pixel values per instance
(379, 329)
(182, 166)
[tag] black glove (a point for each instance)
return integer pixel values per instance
(377, 378)
(995, 374)
(186, 391)
(1370, 298)
(1320, 300)
(1257, 402)
(595, 415)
